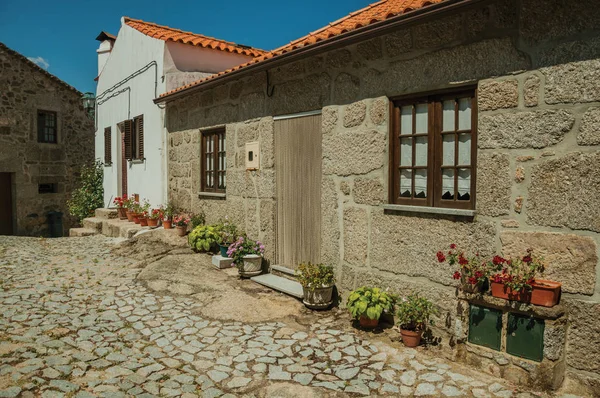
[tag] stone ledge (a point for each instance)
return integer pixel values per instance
(431, 210)
(514, 306)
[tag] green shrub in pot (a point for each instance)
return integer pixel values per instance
(368, 303)
(317, 282)
(413, 315)
(203, 237)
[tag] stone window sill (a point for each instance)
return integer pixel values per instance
(137, 161)
(107, 164)
(431, 210)
(211, 195)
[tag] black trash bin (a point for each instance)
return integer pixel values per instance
(55, 224)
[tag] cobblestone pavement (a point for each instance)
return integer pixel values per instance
(75, 322)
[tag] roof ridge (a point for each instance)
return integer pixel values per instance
(199, 35)
(31, 63)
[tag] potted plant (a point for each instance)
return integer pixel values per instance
(414, 314)
(368, 303)
(517, 281)
(247, 256)
(472, 271)
(198, 219)
(136, 210)
(181, 223)
(143, 219)
(317, 282)
(121, 203)
(203, 238)
(167, 217)
(154, 216)
(228, 233)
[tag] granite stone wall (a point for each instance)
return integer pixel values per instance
(24, 89)
(536, 67)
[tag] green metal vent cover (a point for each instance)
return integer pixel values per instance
(485, 327)
(525, 337)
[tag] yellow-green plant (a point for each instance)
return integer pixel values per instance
(203, 237)
(370, 302)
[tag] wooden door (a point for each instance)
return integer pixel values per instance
(6, 205)
(298, 159)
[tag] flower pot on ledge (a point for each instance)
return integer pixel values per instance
(167, 224)
(122, 213)
(543, 293)
(143, 221)
(411, 338)
(153, 222)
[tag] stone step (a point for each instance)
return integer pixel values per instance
(106, 214)
(73, 232)
(93, 223)
(283, 271)
(280, 284)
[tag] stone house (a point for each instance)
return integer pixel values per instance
(45, 137)
(405, 127)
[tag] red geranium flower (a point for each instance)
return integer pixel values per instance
(462, 260)
(456, 275)
(453, 246)
(497, 260)
(441, 257)
(473, 281)
(527, 259)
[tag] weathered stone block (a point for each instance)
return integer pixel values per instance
(354, 114)
(398, 43)
(338, 58)
(583, 335)
(407, 245)
(379, 111)
(570, 259)
(493, 184)
(531, 91)
(565, 192)
(370, 49)
(369, 191)
(247, 132)
(356, 233)
(267, 144)
(330, 229)
(497, 94)
(572, 82)
(345, 88)
(354, 152)
(438, 32)
(221, 262)
(589, 131)
(329, 119)
(525, 129)
(554, 340)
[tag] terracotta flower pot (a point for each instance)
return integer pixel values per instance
(411, 338)
(167, 224)
(251, 266)
(543, 293)
(136, 218)
(366, 322)
(122, 213)
(129, 216)
(153, 222)
(181, 231)
(319, 298)
(143, 221)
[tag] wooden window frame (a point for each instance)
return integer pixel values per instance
(138, 138)
(107, 146)
(214, 135)
(41, 130)
(434, 167)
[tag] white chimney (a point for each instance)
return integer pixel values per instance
(106, 44)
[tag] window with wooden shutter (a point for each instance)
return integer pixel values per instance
(433, 150)
(47, 127)
(213, 162)
(138, 122)
(107, 146)
(128, 131)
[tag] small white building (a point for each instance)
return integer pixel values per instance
(143, 61)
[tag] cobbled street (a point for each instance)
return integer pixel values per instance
(75, 322)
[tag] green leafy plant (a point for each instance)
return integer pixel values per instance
(89, 195)
(203, 237)
(414, 312)
(313, 276)
(471, 270)
(228, 232)
(370, 302)
(198, 219)
(169, 211)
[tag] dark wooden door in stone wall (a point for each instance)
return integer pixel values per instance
(298, 157)
(6, 216)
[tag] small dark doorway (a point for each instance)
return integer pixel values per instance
(6, 207)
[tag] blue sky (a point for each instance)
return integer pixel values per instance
(61, 33)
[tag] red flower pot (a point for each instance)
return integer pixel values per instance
(167, 224)
(136, 218)
(411, 338)
(122, 213)
(129, 216)
(544, 293)
(143, 221)
(367, 322)
(153, 222)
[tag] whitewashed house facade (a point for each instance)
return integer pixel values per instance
(143, 61)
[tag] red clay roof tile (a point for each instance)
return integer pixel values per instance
(171, 34)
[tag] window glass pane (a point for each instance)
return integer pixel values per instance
(421, 151)
(421, 116)
(464, 149)
(405, 183)
(448, 184)
(406, 120)
(448, 116)
(448, 149)
(464, 184)
(406, 152)
(464, 114)
(420, 183)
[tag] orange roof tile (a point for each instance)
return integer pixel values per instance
(171, 34)
(371, 14)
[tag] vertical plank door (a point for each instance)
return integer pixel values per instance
(6, 216)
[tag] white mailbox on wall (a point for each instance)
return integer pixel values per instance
(252, 155)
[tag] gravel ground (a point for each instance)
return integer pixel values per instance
(75, 322)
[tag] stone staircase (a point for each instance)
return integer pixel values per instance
(281, 279)
(107, 222)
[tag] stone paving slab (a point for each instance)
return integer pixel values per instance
(75, 322)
